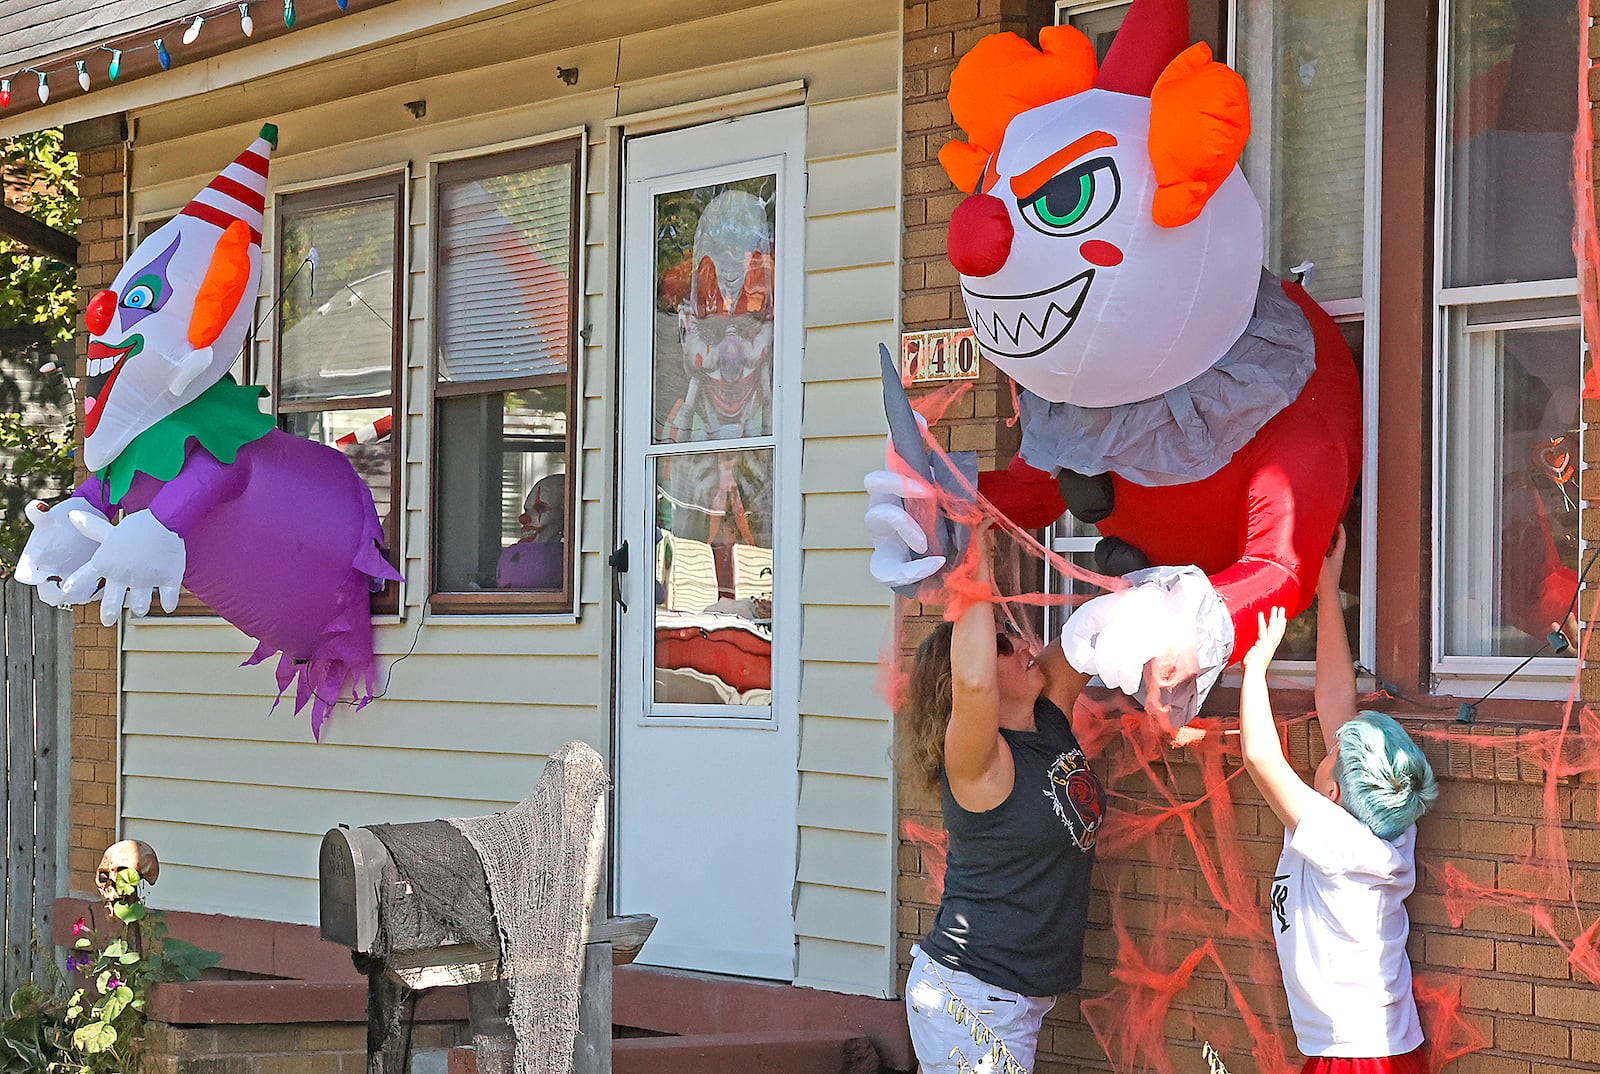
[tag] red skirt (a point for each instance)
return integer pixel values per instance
(1410, 1063)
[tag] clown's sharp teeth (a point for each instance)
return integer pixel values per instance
(1025, 326)
(94, 367)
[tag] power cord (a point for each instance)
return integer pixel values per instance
(1555, 641)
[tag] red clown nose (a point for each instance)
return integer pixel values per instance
(980, 236)
(97, 315)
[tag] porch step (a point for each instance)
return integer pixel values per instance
(793, 1051)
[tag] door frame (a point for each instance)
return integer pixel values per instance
(630, 520)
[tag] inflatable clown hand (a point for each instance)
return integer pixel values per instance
(56, 549)
(135, 556)
(899, 545)
(1163, 641)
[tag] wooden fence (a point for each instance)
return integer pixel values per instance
(36, 643)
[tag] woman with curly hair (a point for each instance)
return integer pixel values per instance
(986, 725)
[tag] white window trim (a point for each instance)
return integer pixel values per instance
(1065, 9)
(1543, 678)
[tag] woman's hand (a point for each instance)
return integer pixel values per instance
(1270, 634)
(1332, 567)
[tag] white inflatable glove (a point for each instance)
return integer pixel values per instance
(1114, 636)
(899, 546)
(1164, 641)
(55, 549)
(136, 555)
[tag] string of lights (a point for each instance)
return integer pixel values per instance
(193, 25)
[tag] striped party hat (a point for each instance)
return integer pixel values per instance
(240, 191)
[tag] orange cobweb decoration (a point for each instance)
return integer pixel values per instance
(1180, 949)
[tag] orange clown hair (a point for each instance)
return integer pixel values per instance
(1199, 121)
(1001, 77)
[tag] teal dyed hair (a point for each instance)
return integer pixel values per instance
(1384, 780)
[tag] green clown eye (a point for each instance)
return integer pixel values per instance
(143, 293)
(1077, 200)
(1047, 206)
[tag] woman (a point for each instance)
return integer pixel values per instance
(986, 724)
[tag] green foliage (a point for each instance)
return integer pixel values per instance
(99, 1028)
(38, 311)
(34, 290)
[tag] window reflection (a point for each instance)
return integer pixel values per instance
(714, 578)
(1511, 566)
(1513, 116)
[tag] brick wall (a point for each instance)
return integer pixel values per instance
(92, 816)
(937, 33)
(1535, 1014)
(306, 1048)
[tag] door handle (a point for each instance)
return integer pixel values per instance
(619, 566)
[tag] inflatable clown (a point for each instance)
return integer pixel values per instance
(191, 484)
(1204, 414)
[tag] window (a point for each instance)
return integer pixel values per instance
(1305, 62)
(1098, 19)
(337, 335)
(505, 310)
(1509, 348)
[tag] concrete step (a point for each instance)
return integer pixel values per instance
(792, 1051)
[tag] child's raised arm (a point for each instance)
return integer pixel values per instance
(1336, 673)
(1274, 777)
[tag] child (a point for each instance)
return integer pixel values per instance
(1338, 898)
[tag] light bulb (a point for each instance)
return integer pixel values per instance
(83, 76)
(246, 23)
(5, 93)
(162, 55)
(44, 88)
(193, 32)
(288, 13)
(116, 63)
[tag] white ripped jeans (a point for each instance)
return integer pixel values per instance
(960, 1025)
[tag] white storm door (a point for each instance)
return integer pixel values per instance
(709, 504)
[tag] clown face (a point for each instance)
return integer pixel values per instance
(142, 365)
(1072, 287)
(176, 317)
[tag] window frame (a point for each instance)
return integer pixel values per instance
(1546, 678)
(563, 147)
(335, 195)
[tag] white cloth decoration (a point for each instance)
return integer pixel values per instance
(1167, 611)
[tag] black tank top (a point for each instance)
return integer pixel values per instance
(1016, 884)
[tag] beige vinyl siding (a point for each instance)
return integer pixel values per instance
(236, 800)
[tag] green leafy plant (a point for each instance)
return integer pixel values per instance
(38, 311)
(99, 1028)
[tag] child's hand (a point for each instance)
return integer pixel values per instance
(1270, 634)
(1332, 567)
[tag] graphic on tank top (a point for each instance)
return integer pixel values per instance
(1074, 792)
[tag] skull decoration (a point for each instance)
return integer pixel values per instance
(128, 854)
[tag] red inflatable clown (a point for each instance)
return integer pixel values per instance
(1204, 414)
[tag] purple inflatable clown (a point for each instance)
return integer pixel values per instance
(191, 484)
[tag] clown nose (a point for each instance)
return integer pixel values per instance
(97, 315)
(980, 236)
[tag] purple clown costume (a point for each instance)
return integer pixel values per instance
(191, 484)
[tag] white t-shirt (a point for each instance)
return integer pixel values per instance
(1338, 912)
